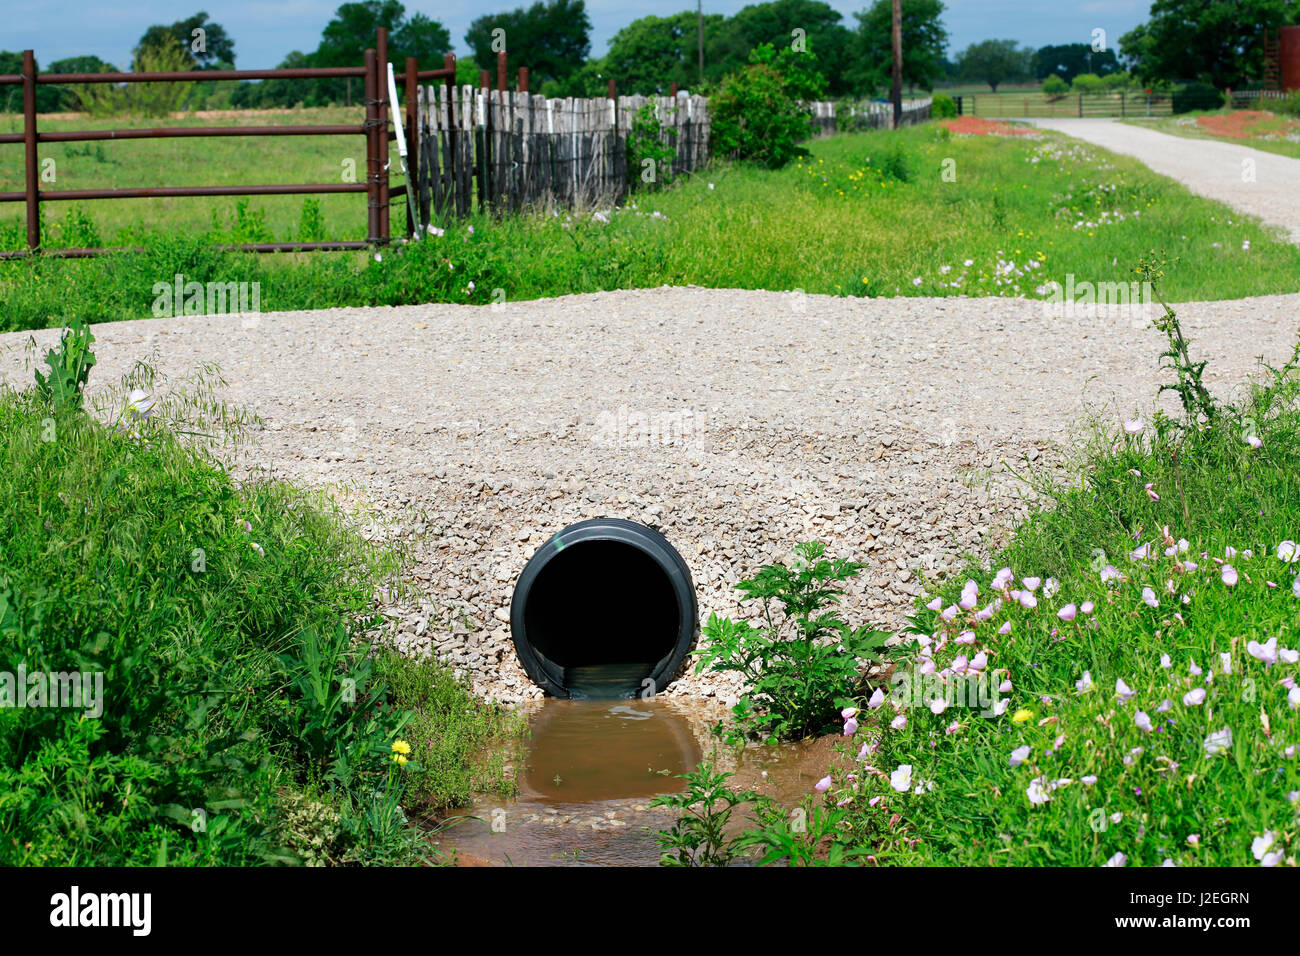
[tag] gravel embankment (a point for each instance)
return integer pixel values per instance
(737, 422)
(1262, 184)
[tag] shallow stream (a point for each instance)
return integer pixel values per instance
(592, 768)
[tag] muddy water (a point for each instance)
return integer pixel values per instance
(592, 768)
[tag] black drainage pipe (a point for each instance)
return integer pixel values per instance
(602, 608)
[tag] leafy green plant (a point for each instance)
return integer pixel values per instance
(311, 223)
(798, 69)
(895, 163)
(1198, 404)
(246, 225)
(803, 663)
(647, 152)
(942, 106)
(78, 230)
(756, 119)
(1055, 86)
(809, 835)
(332, 712)
(69, 364)
(699, 836)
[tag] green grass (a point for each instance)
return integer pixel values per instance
(1158, 794)
(865, 215)
(1268, 134)
(241, 722)
(216, 161)
(462, 745)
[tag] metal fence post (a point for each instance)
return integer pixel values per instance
(381, 88)
(372, 151)
(29, 143)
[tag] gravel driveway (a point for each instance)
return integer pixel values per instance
(737, 422)
(1262, 184)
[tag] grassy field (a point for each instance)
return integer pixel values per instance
(220, 161)
(983, 216)
(230, 711)
(1270, 132)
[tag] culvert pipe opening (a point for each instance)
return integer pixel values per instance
(602, 608)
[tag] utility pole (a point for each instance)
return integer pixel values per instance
(699, 22)
(896, 95)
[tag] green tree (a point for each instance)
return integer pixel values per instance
(163, 54)
(206, 44)
(803, 81)
(924, 40)
(784, 23)
(551, 38)
(1087, 83)
(1068, 60)
(651, 53)
(1220, 42)
(352, 31)
(59, 98)
(994, 61)
(279, 93)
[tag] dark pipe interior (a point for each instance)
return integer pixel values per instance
(605, 613)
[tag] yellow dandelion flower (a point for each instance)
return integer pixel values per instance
(1020, 716)
(401, 747)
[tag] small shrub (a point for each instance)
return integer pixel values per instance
(1196, 96)
(1087, 83)
(78, 230)
(803, 664)
(1055, 87)
(942, 106)
(1289, 104)
(649, 158)
(247, 225)
(311, 223)
(756, 119)
(69, 364)
(699, 837)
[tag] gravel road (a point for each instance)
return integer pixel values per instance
(737, 422)
(1250, 180)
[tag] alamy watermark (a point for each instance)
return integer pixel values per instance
(179, 297)
(72, 690)
(635, 428)
(1132, 302)
(976, 690)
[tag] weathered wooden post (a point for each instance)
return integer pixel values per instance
(412, 144)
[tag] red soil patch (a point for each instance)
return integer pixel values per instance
(1230, 125)
(1237, 125)
(974, 126)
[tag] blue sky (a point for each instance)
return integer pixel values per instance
(265, 30)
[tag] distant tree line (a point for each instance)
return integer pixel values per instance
(1218, 42)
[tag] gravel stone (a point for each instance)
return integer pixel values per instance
(734, 424)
